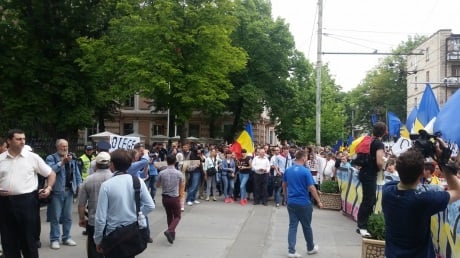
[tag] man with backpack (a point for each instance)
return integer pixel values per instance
(368, 177)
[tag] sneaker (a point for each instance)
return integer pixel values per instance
(363, 232)
(227, 200)
(214, 198)
(314, 250)
(230, 200)
(189, 203)
(196, 202)
(168, 236)
(207, 199)
(55, 245)
(277, 205)
(39, 245)
(182, 209)
(242, 202)
(69, 242)
(294, 255)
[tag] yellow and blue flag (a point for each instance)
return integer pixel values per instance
(427, 110)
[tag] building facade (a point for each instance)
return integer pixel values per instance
(439, 66)
(137, 118)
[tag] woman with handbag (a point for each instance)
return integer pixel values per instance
(228, 176)
(210, 171)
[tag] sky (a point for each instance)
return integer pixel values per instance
(362, 26)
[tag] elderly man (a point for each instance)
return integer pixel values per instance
(68, 179)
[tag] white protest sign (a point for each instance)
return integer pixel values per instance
(400, 146)
(123, 142)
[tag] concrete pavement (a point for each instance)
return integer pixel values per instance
(220, 230)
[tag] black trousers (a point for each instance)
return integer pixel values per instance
(369, 186)
(90, 245)
(260, 188)
(18, 225)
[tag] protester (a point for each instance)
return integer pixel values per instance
(368, 178)
(68, 180)
(282, 162)
(211, 184)
(297, 184)
(19, 196)
(228, 177)
(408, 211)
(116, 206)
(170, 180)
(245, 168)
(88, 195)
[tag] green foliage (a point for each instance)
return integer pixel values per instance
(376, 226)
(329, 186)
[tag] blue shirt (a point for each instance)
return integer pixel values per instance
(139, 165)
(408, 220)
(298, 179)
(54, 161)
(116, 206)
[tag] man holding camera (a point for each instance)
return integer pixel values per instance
(408, 211)
(68, 179)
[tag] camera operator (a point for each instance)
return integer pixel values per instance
(408, 211)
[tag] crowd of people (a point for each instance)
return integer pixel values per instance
(187, 174)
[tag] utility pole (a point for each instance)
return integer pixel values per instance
(318, 73)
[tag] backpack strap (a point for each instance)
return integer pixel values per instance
(137, 193)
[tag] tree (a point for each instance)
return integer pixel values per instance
(177, 53)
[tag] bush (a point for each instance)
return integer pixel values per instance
(376, 226)
(329, 186)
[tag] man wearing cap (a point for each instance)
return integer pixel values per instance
(100, 146)
(88, 198)
(86, 159)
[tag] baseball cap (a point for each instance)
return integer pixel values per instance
(89, 147)
(103, 146)
(103, 158)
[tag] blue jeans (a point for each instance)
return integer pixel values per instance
(228, 184)
(152, 185)
(303, 214)
(193, 188)
(243, 181)
(278, 194)
(60, 212)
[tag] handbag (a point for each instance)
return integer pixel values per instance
(277, 181)
(128, 240)
(212, 170)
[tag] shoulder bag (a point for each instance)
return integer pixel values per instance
(129, 240)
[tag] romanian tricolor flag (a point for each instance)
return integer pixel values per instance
(244, 141)
(427, 110)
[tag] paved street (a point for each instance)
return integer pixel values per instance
(215, 229)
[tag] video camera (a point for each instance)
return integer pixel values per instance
(425, 143)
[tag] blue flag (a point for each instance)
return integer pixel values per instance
(447, 120)
(349, 140)
(411, 119)
(337, 145)
(374, 119)
(394, 125)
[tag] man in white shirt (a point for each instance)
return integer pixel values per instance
(261, 166)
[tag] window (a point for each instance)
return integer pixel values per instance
(455, 71)
(427, 54)
(129, 102)
(415, 101)
(415, 83)
(427, 75)
(194, 130)
(158, 129)
(128, 128)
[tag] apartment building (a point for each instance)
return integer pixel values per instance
(439, 66)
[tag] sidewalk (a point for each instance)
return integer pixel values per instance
(215, 229)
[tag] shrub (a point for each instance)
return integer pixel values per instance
(376, 226)
(329, 186)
